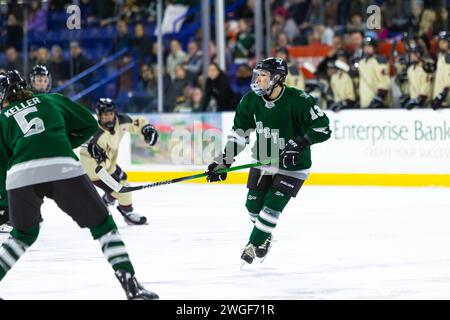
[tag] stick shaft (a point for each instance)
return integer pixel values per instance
(195, 176)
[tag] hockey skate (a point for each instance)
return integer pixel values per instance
(109, 201)
(248, 254)
(132, 218)
(5, 228)
(262, 250)
(133, 289)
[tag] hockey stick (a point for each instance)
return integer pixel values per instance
(117, 187)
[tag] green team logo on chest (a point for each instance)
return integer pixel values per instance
(268, 133)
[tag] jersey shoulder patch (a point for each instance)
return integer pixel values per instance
(381, 59)
(124, 118)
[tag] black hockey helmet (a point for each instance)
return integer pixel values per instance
(409, 39)
(278, 71)
(104, 105)
(416, 48)
(444, 35)
(370, 41)
(11, 82)
(40, 70)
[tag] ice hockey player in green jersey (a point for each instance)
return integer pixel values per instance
(287, 121)
(5, 227)
(38, 133)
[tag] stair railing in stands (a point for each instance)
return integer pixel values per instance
(100, 83)
(91, 69)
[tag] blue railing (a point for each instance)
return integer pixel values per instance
(100, 83)
(91, 69)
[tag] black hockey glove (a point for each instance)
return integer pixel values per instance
(96, 152)
(440, 98)
(402, 77)
(4, 215)
(376, 103)
(292, 149)
(404, 100)
(119, 174)
(219, 162)
(412, 103)
(150, 134)
(416, 102)
(338, 106)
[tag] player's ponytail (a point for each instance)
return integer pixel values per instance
(20, 96)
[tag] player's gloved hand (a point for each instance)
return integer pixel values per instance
(96, 152)
(404, 100)
(150, 134)
(119, 174)
(402, 77)
(4, 215)
(289, 156)
(437, 102)
(376, 103)
(412, 103)
(337, 106)
(220, 162)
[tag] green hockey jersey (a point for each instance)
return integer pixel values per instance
(3, 193)
(38, 136)
(294, 113)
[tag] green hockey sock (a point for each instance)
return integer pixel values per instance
(112, 245)
(15, 246)
(274, 203)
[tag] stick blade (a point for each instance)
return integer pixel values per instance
(107, 179)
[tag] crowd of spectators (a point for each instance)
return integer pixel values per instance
(337, 24)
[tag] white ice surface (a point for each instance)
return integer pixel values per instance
(332, 243)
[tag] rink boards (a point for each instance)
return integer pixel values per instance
(367, 147)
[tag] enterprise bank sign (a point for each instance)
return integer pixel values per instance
(388, 141)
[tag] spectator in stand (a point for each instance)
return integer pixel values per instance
(299, 10)
(336, 46)
(356, 22)
(78, 61)
(391, 10)
(282, 41)
(37, 20)
(315, 37)
(427, 20)
(176, 96)
(295, 77)
(245, 41)
(13, 60)
(106, 13)
(153, 56)
(14, 33)
(246, 11)
(195, 102)
(43, 57)
(59, 66)
(167, 84)
(176, 57)
(414, 19)
(122, 39)
(141, 44)
(328, 33)
(193, 62)
(355, 45)
(32, 55)
(218, 88)
(283, 23)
